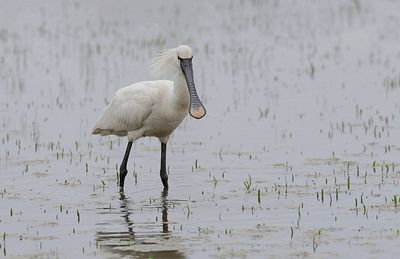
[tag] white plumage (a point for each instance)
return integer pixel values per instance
(143, 109)
(153, 108)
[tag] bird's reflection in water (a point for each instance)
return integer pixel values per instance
(137, 243)
(164, 203)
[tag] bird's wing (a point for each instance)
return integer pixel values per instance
(127, 111)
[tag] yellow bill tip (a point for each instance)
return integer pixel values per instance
(198, 113)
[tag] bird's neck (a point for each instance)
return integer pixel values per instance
(181, 93)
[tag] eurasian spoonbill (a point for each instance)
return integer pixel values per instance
(153, 108)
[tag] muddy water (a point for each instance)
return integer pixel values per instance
(297, 156)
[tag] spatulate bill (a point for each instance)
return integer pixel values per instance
(196, 109)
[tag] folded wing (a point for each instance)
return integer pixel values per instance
(127, 111)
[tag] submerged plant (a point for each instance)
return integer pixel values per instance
(395, 200)
(314, 244)
(247, 184)
(215, 181)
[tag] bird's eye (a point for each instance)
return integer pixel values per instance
(185, 58)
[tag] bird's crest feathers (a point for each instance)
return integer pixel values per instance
(163, 63)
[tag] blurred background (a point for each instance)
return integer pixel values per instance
(280, 59)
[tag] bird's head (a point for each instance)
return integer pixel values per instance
(179, 60)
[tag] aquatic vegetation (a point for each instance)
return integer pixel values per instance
(248, 184)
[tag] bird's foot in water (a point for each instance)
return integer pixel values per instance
(164, 179)
(122, 173)
(165, 183)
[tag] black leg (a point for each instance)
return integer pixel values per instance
(163, 170)
(122, 170)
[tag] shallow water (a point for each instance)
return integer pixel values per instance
(297, 156)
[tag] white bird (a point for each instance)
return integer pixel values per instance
(153, 108)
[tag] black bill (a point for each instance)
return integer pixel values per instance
(196, 109)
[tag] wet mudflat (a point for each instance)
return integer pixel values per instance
(298, 155)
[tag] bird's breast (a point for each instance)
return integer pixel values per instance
(163, 122)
